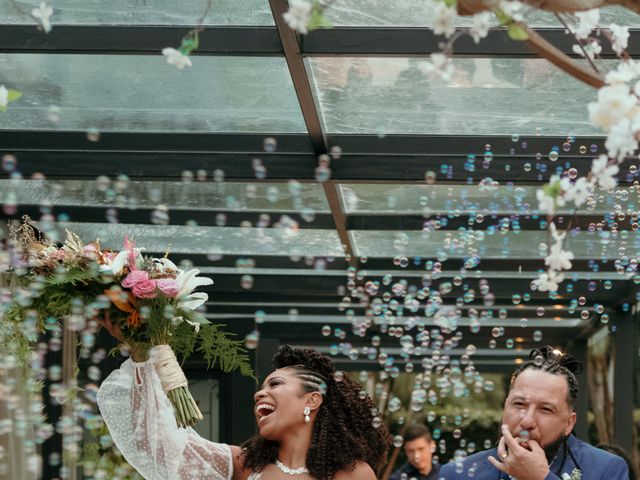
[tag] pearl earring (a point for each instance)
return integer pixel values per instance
(306, 413)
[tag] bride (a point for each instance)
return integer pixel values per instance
(313, 424)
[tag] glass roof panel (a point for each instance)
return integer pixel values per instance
(484, 244)
(145, 94)
(142, 12)
(194, 196)
(414, 13)
(210, 240)
(378, 199)
(488, 96)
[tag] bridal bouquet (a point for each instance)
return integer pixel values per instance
(143, 301)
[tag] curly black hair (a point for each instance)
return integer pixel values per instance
(549, 360)
(344, 431)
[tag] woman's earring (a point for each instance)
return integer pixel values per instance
(306, 413)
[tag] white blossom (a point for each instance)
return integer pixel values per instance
(578, 192)
(548, 281)
(588, 20)
(480, 27)
(558, 259)
(298, 15)
(444, 19)
(43, 14)
(546, 203)
(591, 49)
(177, 58)
(513, 9)
(620, 39)
(614, 103)
(440, 67)
(4, 96)
(621, 141)
(603, 174)
(627, 71)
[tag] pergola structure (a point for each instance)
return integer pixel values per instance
(428, 186)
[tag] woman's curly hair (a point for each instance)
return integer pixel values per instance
(344, 431)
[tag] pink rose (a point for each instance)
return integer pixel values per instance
(168, 286)
(135, 277)
(145, 289)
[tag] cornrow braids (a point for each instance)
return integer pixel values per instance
(547, 359)
(344, 432)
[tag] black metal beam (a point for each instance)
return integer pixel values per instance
(299, 75)
(411, 41)
(138, 40)
(264, 40)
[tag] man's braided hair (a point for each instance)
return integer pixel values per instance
(343, 432)
(547, 359)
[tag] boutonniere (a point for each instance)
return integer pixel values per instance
(576, 474)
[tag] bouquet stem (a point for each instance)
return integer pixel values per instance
(175, 385)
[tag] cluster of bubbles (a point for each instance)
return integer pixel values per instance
(409, 326)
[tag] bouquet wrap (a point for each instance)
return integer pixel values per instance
(175, 385)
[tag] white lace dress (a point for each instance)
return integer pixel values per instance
(141, 422)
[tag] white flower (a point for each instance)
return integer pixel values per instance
(604, 174)
(188, 282)
(588, 21)
(620, 39)
(298, 15)
(480, 27)
(440, 67)
(117, 264)
(558, 259)
(512, 9)
(177, 58)
(627, 70)
(621, 141)
(443, 23)
(547, 203)
(4, 97)
(43, 14)
(548, 281)
(578, 192)
(614, 102)
(591, 49)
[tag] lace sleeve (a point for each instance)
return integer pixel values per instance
(141, 422)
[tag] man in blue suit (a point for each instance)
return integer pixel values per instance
(536, 441)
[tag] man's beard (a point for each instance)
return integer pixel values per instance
(551, 450)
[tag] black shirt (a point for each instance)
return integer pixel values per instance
(411, 472)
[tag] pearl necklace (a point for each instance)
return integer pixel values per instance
(289, 470)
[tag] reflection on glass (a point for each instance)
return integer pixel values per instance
(486, 97)
(378, 199)
(481, 244)
(412, 13)
(142, 12)
(144, 94)
(211, 240)
(195, 195)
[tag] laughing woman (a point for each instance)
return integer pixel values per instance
(312, 424)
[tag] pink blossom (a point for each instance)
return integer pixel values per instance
(145, 289)
(135, 277)
(169, 287)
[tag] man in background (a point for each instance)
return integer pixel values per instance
(536, 441)
(419, 448)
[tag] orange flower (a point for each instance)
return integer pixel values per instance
(133, 320)
(125, 302)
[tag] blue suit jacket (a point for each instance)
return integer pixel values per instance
(594, 463)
